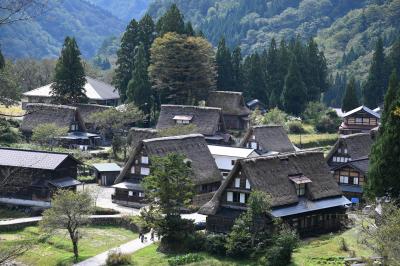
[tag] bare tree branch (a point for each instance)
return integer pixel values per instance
(18, 10)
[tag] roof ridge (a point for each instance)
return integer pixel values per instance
(178, 137)
(281, 155)
(192, 106)
(58, 106)
(36, 151)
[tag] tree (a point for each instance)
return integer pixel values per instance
(182, 70)
(171, 21)
(69, 78)
(139, 87)
(383, 176)
(70, 211)
(394, 57)
(47, 134)
(189, 31)
(375, 86)
(126, 55)
(294, 92)
(169, 188)
(254, 78)
(273, 83)
(32, 73)
(147, 34)
(9, 133)
(224, 67)
(272, 117)
(2, 61)
(350, 99)
(237, 69)
(18, 10)
(9, 88)
(390, 97)
(250, 229)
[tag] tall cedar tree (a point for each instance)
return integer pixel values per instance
(237, 75)
(125, 61)
(284, 61)
(294, 96)
(254, 78)
(182, 68)
(69, 78)
(189, 31)
(375, 86)
(2, 60)
(147, 34)
(390, 97)
(394, 57)
(224, 67)
(139, 87)
(273, 81)
(171, 21)
(383, 172)
(318, 72)
(350, 99)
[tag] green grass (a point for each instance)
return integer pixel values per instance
(150, 257)
(6, 213)
(57, 249)
(313, 140)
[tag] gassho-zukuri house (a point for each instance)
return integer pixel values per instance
(301, 187)
(205, 174)
(208, 121)
(33, 176)
(96, 91)
(235, 112)
(349, 161)
(267, 139)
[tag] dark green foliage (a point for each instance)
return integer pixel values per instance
(274, 79)
(394, 57)
(10, 89)
(171, 21)
(147, 33)
(254, 78)
(125, 61)
(185, 259)
(2, 61)
(295, 127)
(139, 87)
(383, 172)
(224, 67)
(334, 95)
(390, 97)
(237, 70)
(189, 31)
(215, 244)
(294, 92)
(375, 87)
(328, 122)
(8, 132)
(69, 79)
(350, 99)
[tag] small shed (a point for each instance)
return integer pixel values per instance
(106, 173)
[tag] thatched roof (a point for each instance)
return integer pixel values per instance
(231, 102)
(193, 147)
(40, 113)
(359, 164)
(87, 110)
(270, 174)
(270, 138)
(358, 145)
(207, 119)
(136, 135)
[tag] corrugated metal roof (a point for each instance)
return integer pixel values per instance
(230, 151)
(64, 182)
(107, 167)
(31, 159)
(305, 205)
(350, 188)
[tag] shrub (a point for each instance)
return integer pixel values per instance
(327, 124)
(215, 244)
(295, 127)
(185, 259)
(342, 244)
(116, 258)
(104, 211)
(314, 111)
(195, 242)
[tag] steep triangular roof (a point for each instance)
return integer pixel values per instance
(231, 102)
(358, 145)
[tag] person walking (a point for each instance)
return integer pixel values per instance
(142, 238)
(152, 234)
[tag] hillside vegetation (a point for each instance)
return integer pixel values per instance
(124, 9)
(43, 36)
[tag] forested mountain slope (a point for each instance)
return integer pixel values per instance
(338, 25)
(124, 9)
(43, 36)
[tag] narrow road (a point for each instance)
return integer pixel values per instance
(126, 248)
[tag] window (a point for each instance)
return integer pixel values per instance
(334, 159)
(225, 174)
(358, 120)
(145, 160)
(141, 194)
(144, 171)
(344, 179)
(229, 196)
(366, 121)
(345, 150)
(339, 150)
(130, 193)
(232, 162)
(133, 170)
(355, 180)
(242, 198)
(74, 127)
(247, 184)
(300, 189)
(237, 182)
(253, 145)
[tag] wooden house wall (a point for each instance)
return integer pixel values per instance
(351, 174)
(235, 122)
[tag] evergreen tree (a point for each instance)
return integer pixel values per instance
(146, 33)
(316, 74)
(394, 57)
(139, 87)
(2, 61)
(392, 93)
(237, 75)
(294, 96)
(350, 99)
(69, 79)
(171, 21)
(383, 173)
(284, 61)
(253, 78)
(273, 83)
(189, 31)
(125, 61)
(375, 86)
(224, 67)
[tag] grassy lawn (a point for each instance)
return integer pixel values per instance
(15, 110)
(313, 140)
(57, 249)
(6, 213)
